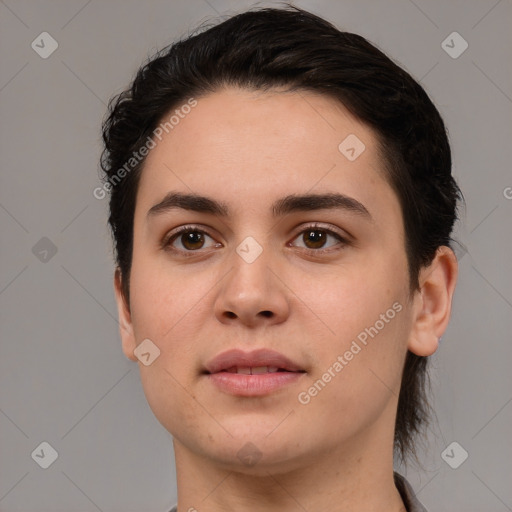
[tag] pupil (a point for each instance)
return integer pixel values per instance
(192, 240)
(316, 237)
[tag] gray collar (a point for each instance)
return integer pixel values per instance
(408, 497)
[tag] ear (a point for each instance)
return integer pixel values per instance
(125, 319)
(433, 302)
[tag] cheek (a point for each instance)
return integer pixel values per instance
(165, 305)
(174, 403)
(356, 381)
(164, 295)
(349, 298)
(365, 310)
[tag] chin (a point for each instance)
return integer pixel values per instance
(251, 459)
(255, 452)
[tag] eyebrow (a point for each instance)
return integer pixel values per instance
(281, 207)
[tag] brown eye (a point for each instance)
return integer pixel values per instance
(314, 238)
(319, 239)
(189, 239)
(192, 240)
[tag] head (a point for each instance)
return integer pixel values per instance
(248, 112)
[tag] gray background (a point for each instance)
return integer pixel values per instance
(63, 376)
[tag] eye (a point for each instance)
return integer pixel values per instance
(315, 239)
(188, 239)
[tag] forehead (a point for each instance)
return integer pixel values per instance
(237, 123)
(242, 145)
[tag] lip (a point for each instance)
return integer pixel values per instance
(216, 371)
(253, 359)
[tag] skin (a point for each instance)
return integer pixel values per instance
(248, 149)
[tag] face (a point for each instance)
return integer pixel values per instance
(315, 287)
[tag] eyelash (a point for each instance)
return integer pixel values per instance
(168, 240)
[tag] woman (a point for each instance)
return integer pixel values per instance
(281, 206)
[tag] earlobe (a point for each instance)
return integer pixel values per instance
(125, 320)
(433, 302)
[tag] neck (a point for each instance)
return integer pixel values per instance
(354, 477)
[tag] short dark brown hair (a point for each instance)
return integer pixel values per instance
(268, 48)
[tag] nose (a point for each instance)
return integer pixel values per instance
(253, 293)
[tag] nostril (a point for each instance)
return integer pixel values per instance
(267, 313)
(230, 314)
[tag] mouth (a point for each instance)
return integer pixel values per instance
(256, 370)
(256, 373)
